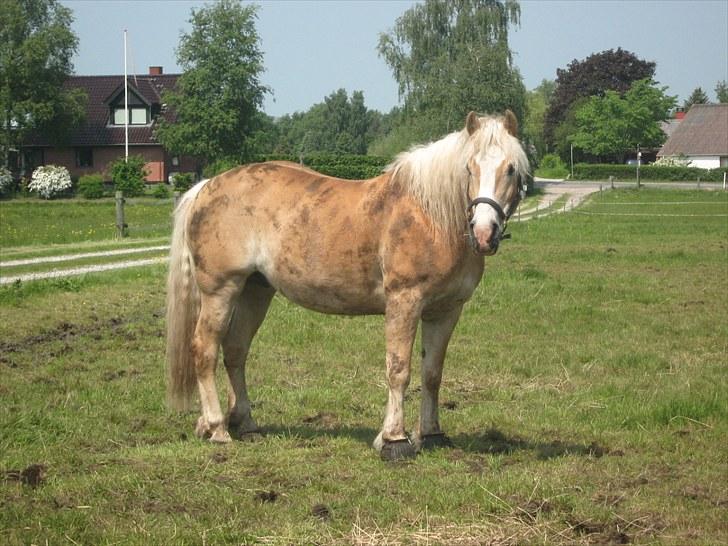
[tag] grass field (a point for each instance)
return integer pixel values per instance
(585, 392)
(36, 222)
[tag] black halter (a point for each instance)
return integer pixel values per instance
(502, 216)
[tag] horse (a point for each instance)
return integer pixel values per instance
(409, 244)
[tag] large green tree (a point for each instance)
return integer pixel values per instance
(450, 57)
(609, 126)
(36, 48)
(611, 70)
(218, 97)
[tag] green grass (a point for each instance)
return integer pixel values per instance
(35, 222)
(585, 391)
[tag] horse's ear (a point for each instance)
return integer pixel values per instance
(472, 123)
(511, 123)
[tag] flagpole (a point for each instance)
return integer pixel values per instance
(126, 106)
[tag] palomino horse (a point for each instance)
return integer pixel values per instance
(408, 244)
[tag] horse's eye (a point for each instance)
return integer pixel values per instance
(511, 169)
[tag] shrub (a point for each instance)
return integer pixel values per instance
(183, 181)
(6, 181)
(50, 181)
(160, 191)
(128, 176)
(91, 186)
(552, 166)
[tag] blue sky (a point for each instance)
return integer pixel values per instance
(313, 48)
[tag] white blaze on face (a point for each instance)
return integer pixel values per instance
(484, 216)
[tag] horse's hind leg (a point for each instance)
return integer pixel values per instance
(436, 332)
(248, 314)
(212, 324)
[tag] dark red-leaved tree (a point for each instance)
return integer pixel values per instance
(613, 70)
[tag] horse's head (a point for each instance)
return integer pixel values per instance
(498, 167)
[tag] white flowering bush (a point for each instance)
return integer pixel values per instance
(6, 181)
(50, 181)
(672, 161)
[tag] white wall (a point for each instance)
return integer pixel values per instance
(705, 161)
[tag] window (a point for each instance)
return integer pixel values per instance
(138, 115)
(84, 157)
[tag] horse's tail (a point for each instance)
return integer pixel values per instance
(183, 308)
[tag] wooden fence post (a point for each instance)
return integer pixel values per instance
(121, 226)
(611, 181)
(175, 200)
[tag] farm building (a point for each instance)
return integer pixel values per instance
(702, 137)
(100, 139)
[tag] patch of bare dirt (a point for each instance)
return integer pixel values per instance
(266, 496)
(64, 331)
(323, 419)
(321, 511)
(33, 475)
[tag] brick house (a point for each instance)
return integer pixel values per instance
(99, 140)
(701, 136)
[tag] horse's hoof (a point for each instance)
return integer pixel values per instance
(435, 441)
(220, 436)
(248, 436)
(202, 429)
(398, 450)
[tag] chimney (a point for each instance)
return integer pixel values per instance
(155, 71)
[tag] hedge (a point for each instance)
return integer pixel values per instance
(353, 167)
(585, 171)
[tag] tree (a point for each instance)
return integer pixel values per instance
(600, 72)
(339, 124)
(537, 101)
(218, 96)
(610, 125)
(452, 57)
(698, 96)
(721, 91)
(36, 48)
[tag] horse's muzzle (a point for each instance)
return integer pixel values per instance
(484, 241)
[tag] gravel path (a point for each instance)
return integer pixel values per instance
(80, 270)
(68, 257)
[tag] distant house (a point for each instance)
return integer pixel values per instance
(99, 140)
(702, 137)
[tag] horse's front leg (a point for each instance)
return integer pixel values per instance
(436, 332)
(401, 318)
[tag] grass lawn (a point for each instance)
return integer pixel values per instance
(36, 222)
(585, 392)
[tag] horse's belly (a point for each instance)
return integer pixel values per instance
(333, 297)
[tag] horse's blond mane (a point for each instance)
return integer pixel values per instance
(435, 174)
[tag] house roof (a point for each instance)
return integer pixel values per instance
(102, 91)
(703, 131)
